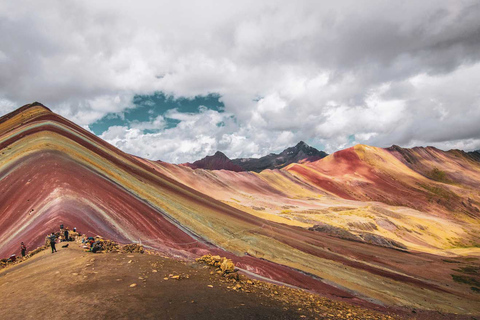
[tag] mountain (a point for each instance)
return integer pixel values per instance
(361, 189)
(423, 200)
(218, 161)
(298, 153)
(406, 212)
(54, 172)
(302, 152)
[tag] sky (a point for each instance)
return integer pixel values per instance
(179, 80)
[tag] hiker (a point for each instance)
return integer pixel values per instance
(75, 229)
(91, 242)
(95, 247)
(24, 249)
(66, 234)
(52, 242)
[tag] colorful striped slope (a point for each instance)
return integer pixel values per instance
(54, 172)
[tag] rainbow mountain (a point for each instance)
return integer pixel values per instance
(368, 225)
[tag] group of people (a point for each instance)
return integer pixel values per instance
(66, 237)
(52, 238)
(91, 244)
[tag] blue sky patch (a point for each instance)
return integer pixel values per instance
(148, 107)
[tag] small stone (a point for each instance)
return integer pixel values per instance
(210, 286)
(166, 278)
(130, 261)
(133, 285)
(237, 287)
(154, 270)
(233, 276)
(74, 274)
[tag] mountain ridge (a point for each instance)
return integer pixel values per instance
(301, 152)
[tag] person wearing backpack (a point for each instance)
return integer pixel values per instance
(52, 242)
(24, 249)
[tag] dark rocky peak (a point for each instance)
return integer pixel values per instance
(299, 153)
(219, 161)
(305, 148)
(219, 155)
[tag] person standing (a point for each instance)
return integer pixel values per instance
(24, 249)
(66, 234)
(52, 242)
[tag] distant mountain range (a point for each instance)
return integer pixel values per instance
(302, 152)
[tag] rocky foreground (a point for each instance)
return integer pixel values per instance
(76, 284)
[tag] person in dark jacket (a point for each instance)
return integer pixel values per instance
(52, 242)
(66, 234)
(24, 249)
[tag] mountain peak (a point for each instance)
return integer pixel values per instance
(220, 154)
(301, 144)
(24, 109)
(219, 161)
(22, 115)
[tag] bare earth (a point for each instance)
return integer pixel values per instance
(73, 284)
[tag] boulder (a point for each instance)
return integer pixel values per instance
(227, 266)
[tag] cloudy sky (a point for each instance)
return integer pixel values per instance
(177, 80)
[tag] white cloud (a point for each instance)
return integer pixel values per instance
(384, 72)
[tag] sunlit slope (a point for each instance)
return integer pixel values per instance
(374, 174)
(52, 171)
(407, 205)
(363, 190)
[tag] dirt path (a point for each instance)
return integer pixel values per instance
(72, 284)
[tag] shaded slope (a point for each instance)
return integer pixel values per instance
(454, 166)
(475, 155)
